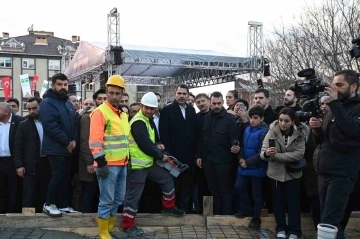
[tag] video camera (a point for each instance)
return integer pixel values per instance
(310, 89)
(355, 51)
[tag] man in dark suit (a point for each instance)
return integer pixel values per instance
(177, 126)
(29, 163)
(8, 179)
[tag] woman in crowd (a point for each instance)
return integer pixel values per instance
(284, 144)
(231, 98)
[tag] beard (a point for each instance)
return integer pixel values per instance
(288, 102)
(33, 116)
(61, 92)
(344, 96)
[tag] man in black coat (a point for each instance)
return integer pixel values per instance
(338, 160)
(8, 179)
(29, 163)
(218, 144)
(177, 126)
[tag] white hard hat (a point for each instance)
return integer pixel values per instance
(150, 100)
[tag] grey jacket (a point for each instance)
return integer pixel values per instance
(293, 152)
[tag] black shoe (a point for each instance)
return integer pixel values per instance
(255, 223)
(175, 212)
(195, 211)
(243, 214)
(134, 231)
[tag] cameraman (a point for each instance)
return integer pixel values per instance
(339, 136)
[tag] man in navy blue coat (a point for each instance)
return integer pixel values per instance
(58, 119)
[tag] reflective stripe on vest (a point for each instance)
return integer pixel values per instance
(116, 135)
(138, 158)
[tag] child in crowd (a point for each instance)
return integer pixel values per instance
(252, 169)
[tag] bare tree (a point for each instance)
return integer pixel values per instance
(320, 40)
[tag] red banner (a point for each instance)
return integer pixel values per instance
(33, 85)
(6, 86)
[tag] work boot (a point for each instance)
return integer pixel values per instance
(112, 229)
(134, 231)
(103, 225)
(175, 212)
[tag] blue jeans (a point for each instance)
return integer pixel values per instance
(112, 191)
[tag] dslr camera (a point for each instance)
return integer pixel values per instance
(309, 89)
(355, 50)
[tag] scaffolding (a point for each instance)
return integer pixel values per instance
(255, 52)
(113, 31)
(165, 68)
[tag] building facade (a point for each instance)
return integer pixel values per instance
(37, 53)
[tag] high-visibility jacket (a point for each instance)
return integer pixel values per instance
(109, 134)
(138, 158)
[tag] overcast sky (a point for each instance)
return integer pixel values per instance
(194, 24)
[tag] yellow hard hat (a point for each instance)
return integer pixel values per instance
(116, 80)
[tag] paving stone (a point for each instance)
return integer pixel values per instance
(31, 233)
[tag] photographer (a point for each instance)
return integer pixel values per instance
(339, 137)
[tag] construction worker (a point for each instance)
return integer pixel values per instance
(109, 145)
(143, 151)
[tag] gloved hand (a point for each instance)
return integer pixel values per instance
(102, 171)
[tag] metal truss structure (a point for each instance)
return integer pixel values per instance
(199, 73)
(194, 72)
(255, 50)
(113, 30)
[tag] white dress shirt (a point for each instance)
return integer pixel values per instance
(183, 111)
(156, 119)
(40, 131)
(4, 138)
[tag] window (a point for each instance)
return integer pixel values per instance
(6, 62)
(54, 64)
(90, 87)
(13, 44)
(1, 84)
(28, 63)
(78, 86)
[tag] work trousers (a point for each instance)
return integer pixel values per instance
(35, 186)
(135, 185)
(220, 187)
(334, 194)
(287, 194)
(112, 191)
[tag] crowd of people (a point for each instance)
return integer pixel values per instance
(106, 155)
